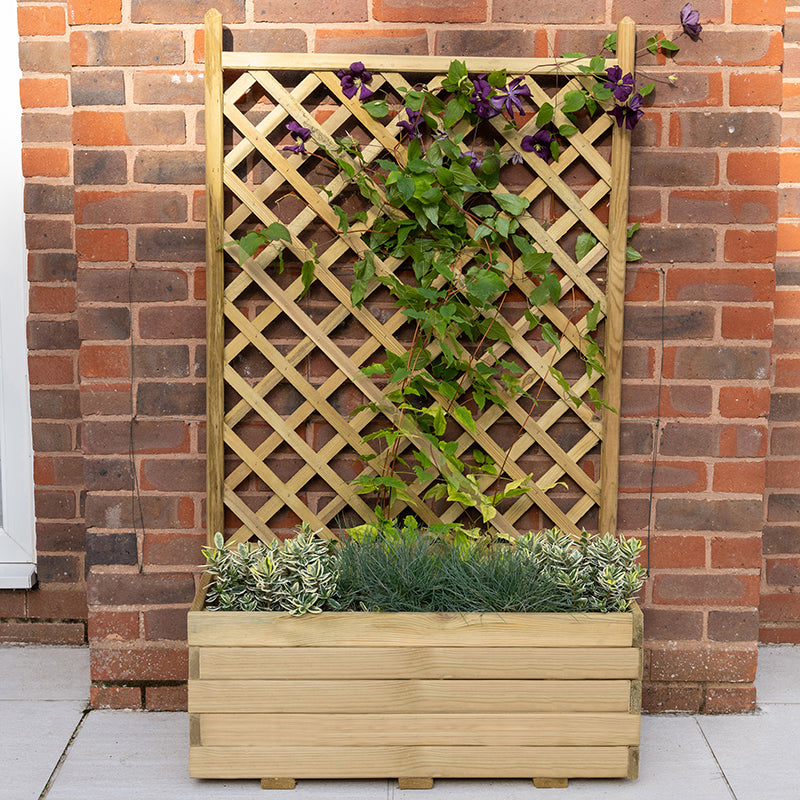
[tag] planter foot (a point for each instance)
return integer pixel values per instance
(278, 783)
(550, 783)
(415, 783)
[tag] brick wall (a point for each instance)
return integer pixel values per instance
(127, 140)
(780, 602)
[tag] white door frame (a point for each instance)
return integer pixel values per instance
(17, 529)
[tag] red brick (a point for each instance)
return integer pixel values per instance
(141, 663)
(162, 322)
(134, 127)
(41, 20)
(716, 363)
(783, 571)
(134, 588)
(51, 299)
(787, 372)
(783, 474)
(787, 303)
(12, 603)
(104, 361)
(511, 43)
(736, 552)
(94, 12)
(746, 323)
(122, 48)
(733, 626)
(790, 167)
(734, 48)
(677, 552)
(659, 697)
(743, 401)
(719, 285)
(170, 549)
(690, 514)
(764, 12)
(730, 699)
(149, 436)
(670, 476)
(429, 11)
(723, 207)
(779, 635)
(727, 665)
(34, 632)
(117, 625)
(177, 87)
(50, 369)
(410, 41)
(291, 11)
(185, 10)
(57, 603)
(101, 696)
(107, 208)
(106, 399)
(45, 161)
(165, 623)
(102, 244)
(44, 92)
(755, 169)
(756, 89)
(743, 441)
(749, 246)
(707, 589)
(788, 235)
(166, 698)
(780, 607)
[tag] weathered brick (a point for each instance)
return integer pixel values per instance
(734, 48)
(98, 87)
(94, 12)
(780, 607)
(170, 322)
(733, 626)
(41, 127)
(174, 474)
(52, 334)
(49, 57)
(167, 166)
(109, 322)
(688, 245)
(783, 473)
(723, 207)
(54, 404)
(635, 476)
(126, 48)
(591, 11)
(110, 548)
(176, 87)
(691, 89)
(784, 407)
(770, 633)
(657, 697)
(56, 235)
(672, 624)
(645, 12)
(686, 439)
(784, 571)
(105, 399)
(161, 399)
(729, 699)
(719, 285)
(717, 363)
(155, 663)
(115, 697)
(294, 11)
(743, 441)
(185, 10)
(704, 663)
(272, 40)
(48, 198)
(100, 167)
(102, 244)
(49, 437)
(685, 323)
(139, 284)
(134, 588)
(61, 536)
(132, 127)
(166, 698)
(642, 400)
(170, 244)
(785, 440)
(108, 474)
(725, 129)
(708, 515)
(511, 43)
(161, 361)
(33, 632)
(59, 602)
(52, 504)
(59, 569)
(59, 267)
(429, 11)
(106, 208)
(113, 624)
(165, 623)
(636, 438)
(149, 436)
(369, 42)
(674, 169)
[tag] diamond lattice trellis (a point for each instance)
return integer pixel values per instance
(285, 367)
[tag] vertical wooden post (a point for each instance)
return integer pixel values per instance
(615, 294)
(215, 330)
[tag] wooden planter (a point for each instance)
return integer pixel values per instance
(367, 695)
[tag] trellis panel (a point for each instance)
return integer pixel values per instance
(285, 369)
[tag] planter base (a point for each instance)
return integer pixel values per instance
(361, 695)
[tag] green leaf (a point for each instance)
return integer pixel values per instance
(439, 421)
(536, 263)
(550, 336)
(486, 284)
(592, 317)
(645, 90)
(610, 42)
(573, 55)
(545, 115)
(464, 417)
(512, 203)
(483, 211)
(453, 112)
(376, 108)
(584, 245)
(344, 223)
(567, 130)
(250, 242)
(631, 254)
(414, 100)
(597, 64)
(669, 47)
(601, 92)
(553, 287)
(573, 101)
(481, 232)
(652, 45)
(373, 369)
(633, 228)
(497, 78)
(277, 231)
(307, 275)
(406, 186)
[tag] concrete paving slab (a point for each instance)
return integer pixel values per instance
(33, 735)
(130, 755)
(34, 672)
(758, 752)
(778, 675)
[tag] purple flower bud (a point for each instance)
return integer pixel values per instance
(481, 104)
(690, 20)
(411, 126)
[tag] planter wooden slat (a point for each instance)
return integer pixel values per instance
(357, 629)
(465, 729)
(412, 761)
(499, 663)
(345, 697)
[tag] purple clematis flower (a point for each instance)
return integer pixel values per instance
(510, 97)
(412, 125)
(300, 135)
(475, 159)
(630, 113)
(354, 79)
(539, 143)
(481, 104)
(691, 22)
(621, 85)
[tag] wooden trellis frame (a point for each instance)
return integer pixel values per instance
(262, 72)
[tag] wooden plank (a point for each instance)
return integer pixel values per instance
(415, 783)
(278, 783)
(215, 231)
(398, 63)
(386, 728)
(254, 629)
(615, 294)
(330, 663)
(507, 761)
(430, 696)
(550, 783)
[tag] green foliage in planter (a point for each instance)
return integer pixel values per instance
(298, 575)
